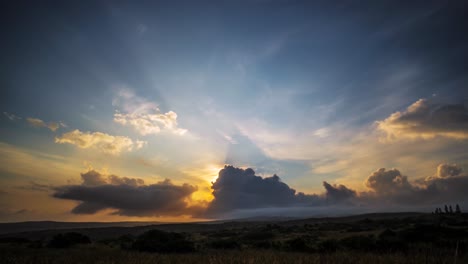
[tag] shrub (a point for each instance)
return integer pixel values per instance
(362, 243)
(68, 239)
(163, 242)
(329, 245)
(297, 244)
(224, 244)
(259, 235)
(125, 241)
(14, 240)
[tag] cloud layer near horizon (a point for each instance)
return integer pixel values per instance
(127, 196)
(240, 189)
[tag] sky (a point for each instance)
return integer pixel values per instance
(184, 111)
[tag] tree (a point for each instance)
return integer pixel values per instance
(446, 209)
(450, 209)
(457, 209)
(163, 242)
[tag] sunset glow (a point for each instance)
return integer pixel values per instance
(150, 111)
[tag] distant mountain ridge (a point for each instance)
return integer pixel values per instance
(109, 229)
(18, 227)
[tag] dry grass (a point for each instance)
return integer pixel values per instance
(103, 255)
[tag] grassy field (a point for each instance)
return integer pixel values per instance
(105, 255)
(421, 238)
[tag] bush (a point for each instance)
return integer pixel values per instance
(14, 240)
(329, 245)
(297, 244)
(68, 239)
(224, 244)
(125, 241)
(390, 241)
(259, 235)
(361, 243)
(163, 242)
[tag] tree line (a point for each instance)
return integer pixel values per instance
(448, 210)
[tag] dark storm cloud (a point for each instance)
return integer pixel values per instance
(237, 188)
(448, 170)
(391, 187)
(425, 119)
(338, 193)
(127, 196)
(94, 178)
(449, 184)
(240, 190)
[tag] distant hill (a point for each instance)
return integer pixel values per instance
(101, 230)
(6, 228)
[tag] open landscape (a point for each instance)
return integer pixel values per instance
(369, 238)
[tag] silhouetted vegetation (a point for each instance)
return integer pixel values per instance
(448, 210)
(224, 244)
(68, 239)
(421, 238)
(163, 242)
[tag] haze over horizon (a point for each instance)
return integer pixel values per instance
(176, 111)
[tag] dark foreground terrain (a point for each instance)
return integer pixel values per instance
(373, 238)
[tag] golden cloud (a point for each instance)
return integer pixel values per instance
(101, 141)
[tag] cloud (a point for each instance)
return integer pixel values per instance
(34, 186)
(101, 141)
(12, 117)
(338, 193)
(450, 186)
(94, 178)
(239, 192)
(387, 182)
(426, 120)
(237, 188)
(144, 116)
(146, 123)
(53, 126)
(128, 196)
(390, 186)
(448, 170)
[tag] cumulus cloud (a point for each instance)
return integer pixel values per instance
(128, 196)
(237, 191)
(449, 184)
(448, 170)
(10, 116)
(150, 123)
(144, 116)
(36, 122)
(387, 182)
(101, 141)
(338, 193)
(390, 186)
(241, 190)
(424, 119)
(237, 188)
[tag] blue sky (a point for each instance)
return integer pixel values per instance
(286, 87)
